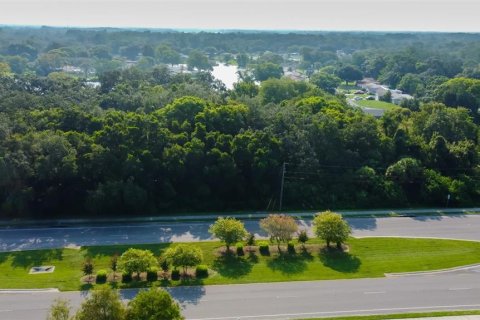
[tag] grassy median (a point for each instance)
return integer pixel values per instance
(367, 257)
(404, 315)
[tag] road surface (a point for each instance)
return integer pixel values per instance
(464, 227)
(456, 290)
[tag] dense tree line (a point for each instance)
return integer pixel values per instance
(147, 140)
(150, 142)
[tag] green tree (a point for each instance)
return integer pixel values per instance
(88, 268)
(461, 92)
(114, 264)
(411, 84)
(267, 70)
(59, 310)
(325, 81)
(103, 304)
(244, 88)
(303, 237)
(349, 73)
(278, 90)
(409, 174)
(166, 54)
(330, 227)
(387, 97)
(229, 230)
(136, 261)
(153, 304)
(279, 227)
(199, 61)
(242, 60)
(4, 69)
(184, 256)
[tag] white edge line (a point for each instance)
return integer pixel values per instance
(337, 312)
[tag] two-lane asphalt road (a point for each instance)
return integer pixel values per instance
(464, 227)
(458, 290)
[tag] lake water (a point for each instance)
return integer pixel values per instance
(226, 73)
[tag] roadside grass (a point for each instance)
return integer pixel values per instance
(375, 104)
(367, 257)
(404, 315)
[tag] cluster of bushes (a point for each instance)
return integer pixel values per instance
(328, 226)
(134, 263)
(138, 264)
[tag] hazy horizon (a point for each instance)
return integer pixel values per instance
(261, 15)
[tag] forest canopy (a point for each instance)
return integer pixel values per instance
(120, 139)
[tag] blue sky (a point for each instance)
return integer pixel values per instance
(388, 15)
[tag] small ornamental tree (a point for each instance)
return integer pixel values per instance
(59, 310)
(279, 227)
(184, 256)
(250, 240)
(229, 230)
(153, 304)
(136, 261)
(114, 264)
(303, 237)
(87, 268)
(330, 227)
(104, 303)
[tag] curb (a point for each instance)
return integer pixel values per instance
(47, 290)
(440, 271)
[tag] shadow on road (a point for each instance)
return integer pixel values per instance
(363, 223)
(437, 216)
(187, 295)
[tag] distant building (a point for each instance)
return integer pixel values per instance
(71, 69)
(294, 75)
(379, 90)
(398, 97)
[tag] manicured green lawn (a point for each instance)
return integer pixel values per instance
(367, 257)
(405, 315)
(376, 104)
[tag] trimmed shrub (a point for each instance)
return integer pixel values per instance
(101, 276)
(175, 274)
(201, 271)
(240, 249)
(164, 265)
(264, 248)
(303, 237)
(152, 274)
(250, 239)
(126, 277)
(290, 247)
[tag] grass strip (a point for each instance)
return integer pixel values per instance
(367, 258)
(404, 315)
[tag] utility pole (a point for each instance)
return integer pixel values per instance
(281, 186)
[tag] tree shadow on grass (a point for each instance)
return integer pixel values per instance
(339, 260)
(231, 266)
(252, 257)
(101, 251)
(28, 259)
(289, 263)
(4, 256)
